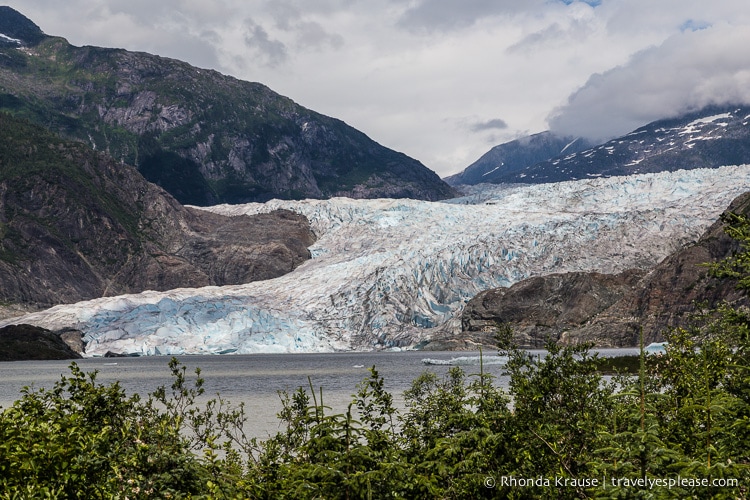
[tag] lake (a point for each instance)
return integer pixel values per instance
(255, 379)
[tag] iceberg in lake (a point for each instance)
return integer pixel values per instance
(656, 348)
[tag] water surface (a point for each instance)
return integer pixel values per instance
(255, 379)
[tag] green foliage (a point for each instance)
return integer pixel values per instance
(561, 404)
(457, 437)
(737, 266)
(86, 440)
(617, 364)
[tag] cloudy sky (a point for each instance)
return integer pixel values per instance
(445, 80)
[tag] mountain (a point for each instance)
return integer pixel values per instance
(397, 273)
(513, 156)
(204, 137)
(610, 310)
(709, 138)
(16, 30)
(76, 224)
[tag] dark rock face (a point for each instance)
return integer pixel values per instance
(19, 30)
(110, 354)
(546, 306)
(26, 342)
(611, 310)
(217, 250)
(75, 225)
(204, 137)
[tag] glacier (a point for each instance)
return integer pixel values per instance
(390, 274)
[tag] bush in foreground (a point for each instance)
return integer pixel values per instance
(560, 425)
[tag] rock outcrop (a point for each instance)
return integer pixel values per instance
(76, 224)
(611, 310)
(26, 342)
(546, 306)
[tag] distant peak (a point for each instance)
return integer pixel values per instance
(17, 29)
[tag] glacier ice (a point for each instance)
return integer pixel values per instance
(390, 273)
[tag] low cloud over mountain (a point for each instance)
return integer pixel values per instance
(688, 71)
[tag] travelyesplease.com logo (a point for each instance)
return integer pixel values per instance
(609, 482)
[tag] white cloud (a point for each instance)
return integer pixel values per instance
(690, 70)
(409, 72)
(448, 15)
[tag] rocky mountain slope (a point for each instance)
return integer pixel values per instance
(75, 224)
(610, 310)
(397, 273)
(708, 138)
(544, 306)
(513, 156)
(26, 342)
(204, 137)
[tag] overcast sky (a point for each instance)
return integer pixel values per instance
(445, 80)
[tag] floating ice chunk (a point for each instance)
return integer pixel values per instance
(467, 361)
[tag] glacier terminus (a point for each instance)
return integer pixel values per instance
(390, 274)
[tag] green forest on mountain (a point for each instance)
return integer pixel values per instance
(678, 428)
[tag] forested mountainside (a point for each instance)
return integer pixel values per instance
(204, 137)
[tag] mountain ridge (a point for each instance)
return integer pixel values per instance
(75, 225)
(711, 137)
(513, 156)
(18, 30)
(205, 137)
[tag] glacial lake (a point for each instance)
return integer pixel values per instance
(255, 379)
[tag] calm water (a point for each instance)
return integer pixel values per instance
(256, 379)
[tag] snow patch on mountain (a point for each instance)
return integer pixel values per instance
(391, 273)
(708, 119)
(6, 38)
(701, 129)
(493, 170)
